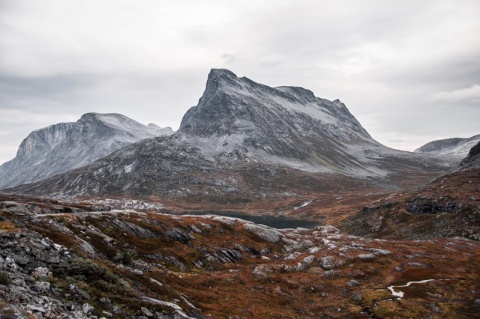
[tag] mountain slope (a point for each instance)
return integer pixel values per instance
(246, 140)
(65, 146)
(447, 206)
(473, 158)
(450, 146)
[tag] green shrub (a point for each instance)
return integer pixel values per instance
(106, 286)
(127, 258)
(87, 271)
(4, 279)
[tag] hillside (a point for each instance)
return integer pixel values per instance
(450, 147)
(447, 206)
(62, 259)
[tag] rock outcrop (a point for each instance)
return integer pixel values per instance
(473, 158)
(447, 206)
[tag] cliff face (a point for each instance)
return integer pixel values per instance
(473, 158)
(62, 147)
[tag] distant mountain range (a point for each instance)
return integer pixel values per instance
(243, 140)
(450, 147)
(65, 146)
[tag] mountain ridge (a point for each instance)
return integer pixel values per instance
(447, 206)
(247, 140)
(61, 147)
(456, 146)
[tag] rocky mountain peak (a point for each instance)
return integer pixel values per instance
(41, 141)
(232, 105)
(99, 118)
(222, 75)
(472, 159)
(218, 78)
(113, 120)
(89, 116)
(64, 146)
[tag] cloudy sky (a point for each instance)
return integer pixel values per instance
(408, 70)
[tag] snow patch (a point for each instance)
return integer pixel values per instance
(128, 168)
(303, 205)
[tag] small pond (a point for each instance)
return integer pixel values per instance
(279, 222)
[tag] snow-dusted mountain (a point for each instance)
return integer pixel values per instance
(65, 146)
(246, 139)
(286, 125)
(473, 158)
(458, 147)
(290, 126)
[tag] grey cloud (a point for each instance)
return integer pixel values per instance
(397, 64)
(273, 60)
(43, 86)
(229, 58)
(467, 96)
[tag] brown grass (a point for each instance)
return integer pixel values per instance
(7, 226)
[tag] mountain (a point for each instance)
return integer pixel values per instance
(448, 206)
(450, 146)
(285, 125)
(62, 147)
(245, 140)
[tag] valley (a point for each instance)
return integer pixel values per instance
(266, 203)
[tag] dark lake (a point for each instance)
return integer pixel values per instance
(279, 222)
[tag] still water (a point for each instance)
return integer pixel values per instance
(279, 222)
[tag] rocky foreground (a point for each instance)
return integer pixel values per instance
(76, 261)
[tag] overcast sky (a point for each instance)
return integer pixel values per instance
(408, 70)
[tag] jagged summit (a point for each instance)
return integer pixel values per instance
(218, 78)
(238, 117)
(231, 105)
(61, 147)
(248, 140)
(221, 74)
(121, 122)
